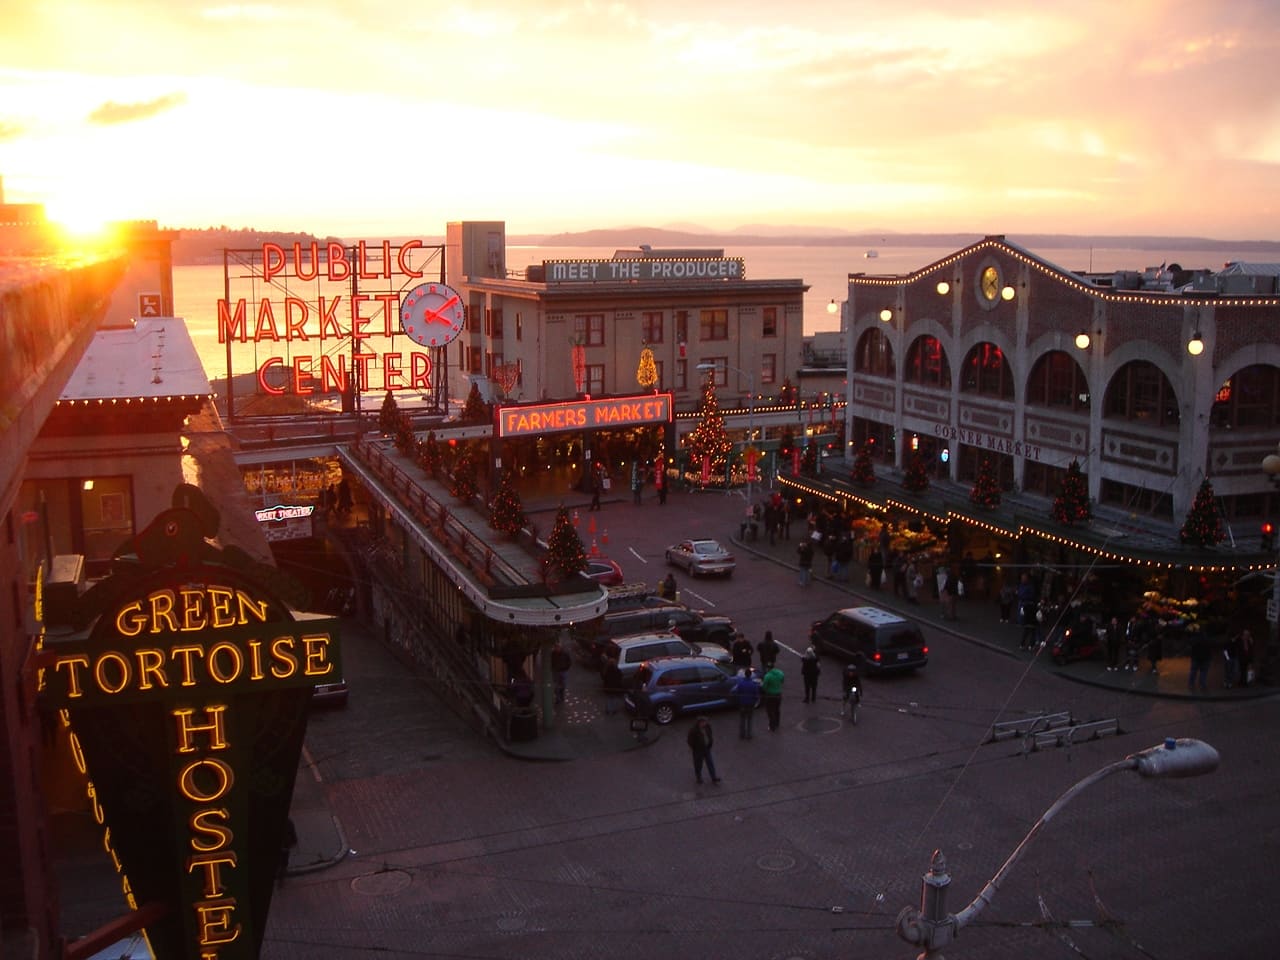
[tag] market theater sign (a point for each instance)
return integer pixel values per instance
(535, 419)
(187, 699)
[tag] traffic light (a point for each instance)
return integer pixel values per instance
(1268, 536)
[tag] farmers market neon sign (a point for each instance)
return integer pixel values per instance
(583, 415)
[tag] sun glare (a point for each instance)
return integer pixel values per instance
(78, 221)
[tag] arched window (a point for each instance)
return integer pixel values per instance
(874, 355)
(986, 372)
(1251, 398)
(927, 364)
(1057, 380)
(1140, 391)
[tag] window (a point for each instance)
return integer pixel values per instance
(475, 360)
(1042, 478)
(595, 379)
(1154, 503)
(770, 326)
(519, 326)
(720, 375)
(927, 364)
(874, 355)
(682, 326)
(495, 327)
(470, 317)
(769, 368)
(682, 375)
(1058, 381)
(713, 325)
(590, 327)
(651, 327)
(987, 373)
(1140, 392)
(1250, 398)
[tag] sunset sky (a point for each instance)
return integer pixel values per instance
(371, 117)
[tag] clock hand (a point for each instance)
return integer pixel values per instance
(434, 316)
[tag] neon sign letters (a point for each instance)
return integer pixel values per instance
(583, 414)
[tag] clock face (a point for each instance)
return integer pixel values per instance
(990, 283)
(431, 314)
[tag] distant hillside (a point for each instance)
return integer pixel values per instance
(206, 246)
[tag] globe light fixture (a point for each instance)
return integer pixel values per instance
(1007, 293)
(833, 307)
(943, 288)
(886, 314)
(1195, 346)
(1082, 340)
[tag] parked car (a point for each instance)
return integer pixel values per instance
(700, 557)
(605, 572)
(691, 625)
(635, 650)
(680, 685)
(879, 641)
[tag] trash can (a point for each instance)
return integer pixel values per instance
(522, 725)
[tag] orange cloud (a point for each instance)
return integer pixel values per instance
(111, 113)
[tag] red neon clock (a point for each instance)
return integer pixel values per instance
(431, 314)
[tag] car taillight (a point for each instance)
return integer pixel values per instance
(924, 651)
(876, 656)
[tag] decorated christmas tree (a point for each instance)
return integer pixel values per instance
(1071, 506)
(506, 512)
(916, 479)
(464, 474)
(406, 441)
(389, 415)
(809, 459)
(475, 410)
(708, 438)
(787, 395)
(1203, 526)
(647, 372)
(786, 446)
(565, 555)
(986, 488)
(863, 473)
(429, 455)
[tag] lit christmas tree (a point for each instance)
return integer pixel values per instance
(986, 488)
(475, 410)
(1203, 526)
(708, 438)
(406, 441)
(389, 415)
(565, 555)
(1071, 506)
(787, 395)
(506, 513)
(916, 479)
(429, 455)
(863, 473)
(464, 474)
(809, 459)
(647, 373)
(786, 444)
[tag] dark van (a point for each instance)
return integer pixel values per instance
(700, 628)
(877, 640)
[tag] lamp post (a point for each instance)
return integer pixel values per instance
(751, 408)
(931, 927)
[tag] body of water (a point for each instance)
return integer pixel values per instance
(197, 289)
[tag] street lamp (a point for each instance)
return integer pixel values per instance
(932, 928)
(751, 408)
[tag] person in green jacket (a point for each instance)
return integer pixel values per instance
(771, 689)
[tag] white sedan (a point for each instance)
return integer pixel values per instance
(701, 556)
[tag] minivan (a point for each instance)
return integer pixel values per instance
(878, 641)
(695, 627)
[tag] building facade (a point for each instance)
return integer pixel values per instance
(993, 354)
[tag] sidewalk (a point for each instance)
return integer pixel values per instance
(979, 623)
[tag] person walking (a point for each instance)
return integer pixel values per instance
(613, 686)
(597, 484)
(637, 482)
(768, 650)
(660, 479)
(1245, 647)
(1007, 596)
(804, 553)
(771, 691)
(740, 651)
(787, 510)
(700, 739)
(561, 663)
(950, 593)
(844, 556)
(809, 670)
(1115, 637)
(1201, 655)
(746, 692)
(1028, 612)
(875, 569)
(915, 580)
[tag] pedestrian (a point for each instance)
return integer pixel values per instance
(1028, 612)
(1246, 658)
(771, 691)
(561, 663)
(950, 593)
(809, 670)
(344, 496)
(844, 555)
(915, 580)
(829, 549)
(660, 479)
(804, 553)
(787, 510)
(667, 587)
(740, 651)
(700, 740)
(1132, 644)
(1155, 647)
(1115, 637)
(1007, 596)
(613, 685)
(875, 570)
(746, 692)
(597, 483)
(1201, 655)
(898, 564)
(884, 540)
(637, 482)
(768, 650)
